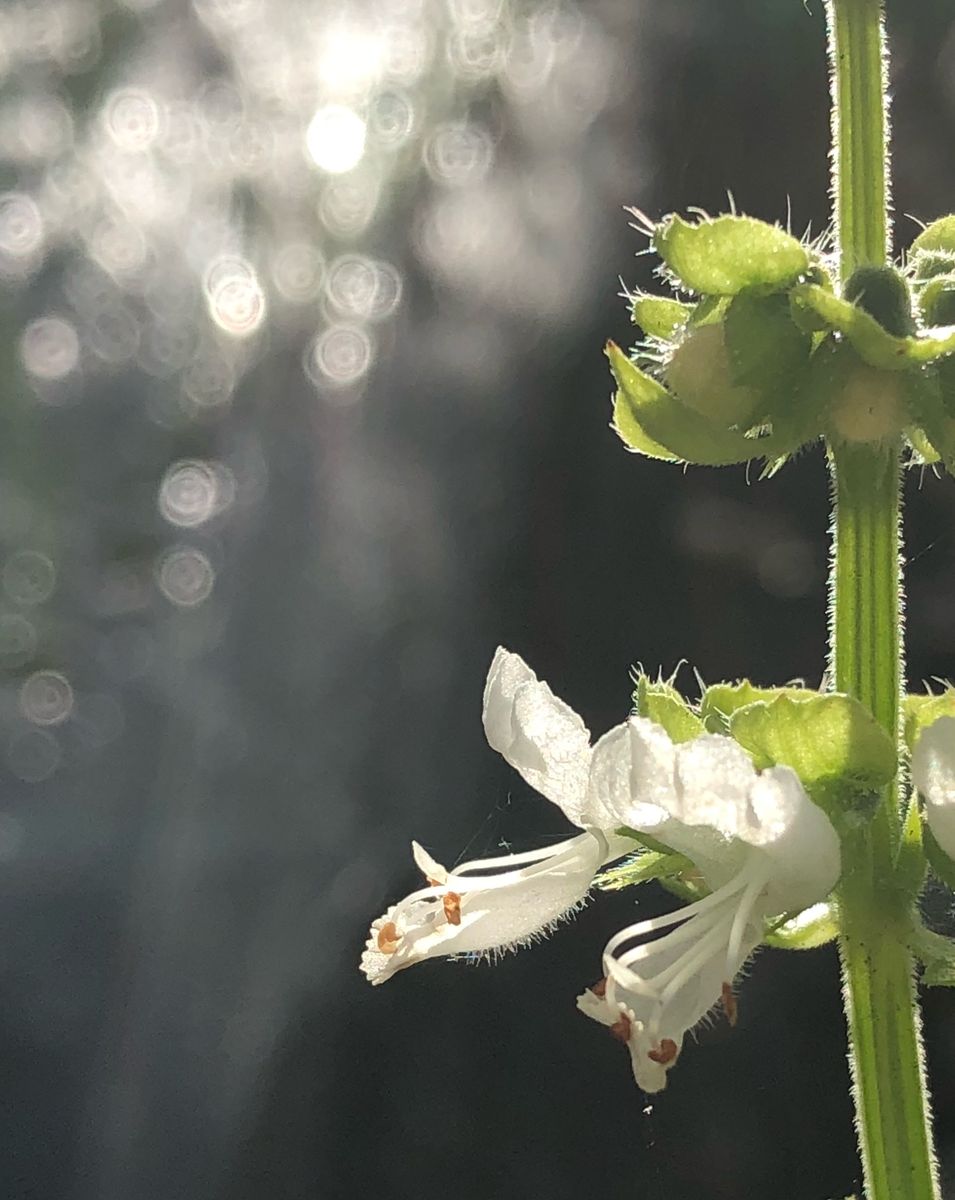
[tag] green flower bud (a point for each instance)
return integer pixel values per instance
(937, 300)
(700, 374)
(884, 294)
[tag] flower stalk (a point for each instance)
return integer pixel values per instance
(867, 662)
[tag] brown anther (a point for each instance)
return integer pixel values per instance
(388, 938)
(452, 908)
(599, 988)
(665, 1053)
(432, 882)
(620, 1029)
(728, 998)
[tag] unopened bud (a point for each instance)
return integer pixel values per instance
(699, 374)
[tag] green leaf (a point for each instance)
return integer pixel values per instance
(925, 265)
(648, 419)
(827, 740)
(815, 926)
(765, 347)
(723, 256)
(920, 711)
(721, 700)
(926, 402)
(938, 860)
(873, 344)
(938, 237)
(937, 300)
(659, 316)
(910, 860)
(661, 703)
(924, 453)
(642, 868)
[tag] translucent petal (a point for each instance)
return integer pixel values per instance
(796, 837)
(490, 906)
(538, 734)
(933, 772)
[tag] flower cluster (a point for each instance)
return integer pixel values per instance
(758, 845)
(771, 353)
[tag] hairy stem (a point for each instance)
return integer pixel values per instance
(867, 662)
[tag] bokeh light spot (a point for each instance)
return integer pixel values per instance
(28, 577)
(458, 153)
(235, 298)
(185, 576)
(49, 348)
(131, 118)
(21, 231)
(391, 119)
(363, 289)
(335, 138)
(298, 271)
(339, 356)
(46, 698)
(193, 491)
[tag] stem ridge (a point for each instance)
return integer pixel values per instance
(866, 659)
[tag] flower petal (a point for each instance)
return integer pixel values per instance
(933, 772)
(798, 839)
(658, 988)
(632, 776)
(537, 733)
(489, 905)
(714, 776)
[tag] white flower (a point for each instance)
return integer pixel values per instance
(494, 904)
(758, 841)
(489, 905)
(933, 773)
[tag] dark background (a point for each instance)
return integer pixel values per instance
(193, 843)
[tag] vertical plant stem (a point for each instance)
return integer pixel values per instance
(858, 62)
(867, 660)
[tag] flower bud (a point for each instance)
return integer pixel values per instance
(699, 373)
(883, 294)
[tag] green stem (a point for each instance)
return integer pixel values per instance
(881, 1010)
(867, 662)
(858, 63)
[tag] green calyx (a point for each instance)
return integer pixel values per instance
(771, 355)
(842, 755)
(840, 752)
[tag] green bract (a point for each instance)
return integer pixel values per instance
(721, 257)
(722, 700)
(772, 356)
(661, 703)
(939, 237)
(827, 740)
(922, 711)
(659, 316)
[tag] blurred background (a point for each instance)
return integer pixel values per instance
(304, 412)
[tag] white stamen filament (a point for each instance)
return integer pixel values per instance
(703, 930)
(753, 890)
